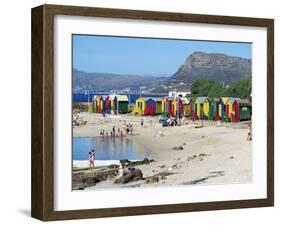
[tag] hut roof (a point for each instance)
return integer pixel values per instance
(157, 99)
(144, 98)
(104, 97)
(112, 96)
(186, 100)
(224, 99)
(169, 98)
(244, 102)
(233, 99)
(201, 99)
(122, 97)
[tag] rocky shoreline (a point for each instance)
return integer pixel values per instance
(84, 178)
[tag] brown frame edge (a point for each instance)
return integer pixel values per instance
(42, 194)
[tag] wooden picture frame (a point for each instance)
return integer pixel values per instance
(42, 203)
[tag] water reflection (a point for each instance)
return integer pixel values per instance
(108, 148)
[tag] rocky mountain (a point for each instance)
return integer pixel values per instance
(218, 67)
(105, 82)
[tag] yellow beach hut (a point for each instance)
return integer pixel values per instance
(140, 106)
(206, 107)
(97, 103)
(201, 106)
(222, 107)
(232, 109)
(158, 101)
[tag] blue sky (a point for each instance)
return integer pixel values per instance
(143, 56)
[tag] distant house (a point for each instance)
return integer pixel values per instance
(175, 94)
(121, 104)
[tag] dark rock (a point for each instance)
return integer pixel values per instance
(156, 178)
(178, 148)
(128, 163)
(91, 179)
(131, 175)
(176, 166)
(153, 179)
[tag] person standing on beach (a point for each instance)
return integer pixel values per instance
(113, 131)
(142, 122)
(249, 137)
(91, 158)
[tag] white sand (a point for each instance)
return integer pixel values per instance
(210, 155)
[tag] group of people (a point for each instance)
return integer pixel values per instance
(127, 129)
(171, 121)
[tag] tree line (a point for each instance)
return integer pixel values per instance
(209, 88)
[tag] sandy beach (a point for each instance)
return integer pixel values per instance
(213, 154)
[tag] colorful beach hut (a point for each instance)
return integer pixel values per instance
(140, 106)
(112, 97)
(121, 104)
(103, 101)
(107, 104)
(222, 108)
(245, 109)
(186, 106)
(201, 107)
(192, 109)
(167, 107)
(97, 104)
(213, 110)
(232, 109)
(153, 106)
(206, 108)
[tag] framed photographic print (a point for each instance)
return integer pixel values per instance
(141, 112)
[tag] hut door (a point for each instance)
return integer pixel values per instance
(227, 110)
